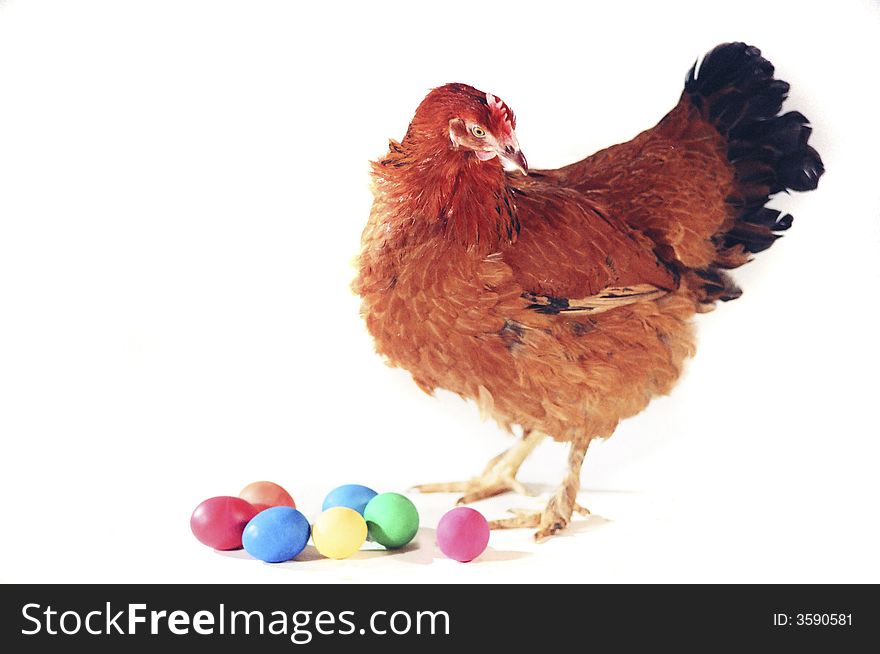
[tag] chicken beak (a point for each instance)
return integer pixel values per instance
(515, 159)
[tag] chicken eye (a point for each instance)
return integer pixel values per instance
(478, 131)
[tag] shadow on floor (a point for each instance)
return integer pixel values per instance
(421, 551)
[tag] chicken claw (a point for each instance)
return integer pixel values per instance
(487, 485)
(550, 521)
(498, 477)
(557, 514)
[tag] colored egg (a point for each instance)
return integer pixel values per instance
(392, 520)
(353, 496)
(263, 494)
(463, 534)
(339, 532)
(219, 522)
(276, 534)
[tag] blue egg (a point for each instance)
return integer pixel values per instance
(277, 534)
(353, 496)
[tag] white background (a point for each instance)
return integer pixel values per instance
(182, 189)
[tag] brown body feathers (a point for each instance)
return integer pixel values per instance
(562, 301)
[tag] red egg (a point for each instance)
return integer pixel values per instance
(265, 494)
(220, 521)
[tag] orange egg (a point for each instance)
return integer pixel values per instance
(265, 494)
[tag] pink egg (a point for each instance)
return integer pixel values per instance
(219, 522)
(462, 534)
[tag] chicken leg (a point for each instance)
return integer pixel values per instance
(498, 477)
(557, 513)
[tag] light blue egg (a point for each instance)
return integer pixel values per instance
(353, 496)
(277, 534)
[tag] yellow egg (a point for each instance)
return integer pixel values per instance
(339, 532)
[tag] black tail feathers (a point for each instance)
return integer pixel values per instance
(734, 89)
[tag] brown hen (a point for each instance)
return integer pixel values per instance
(562, 300)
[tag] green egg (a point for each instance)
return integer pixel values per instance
(392, 520)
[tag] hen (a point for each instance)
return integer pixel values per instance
(562, 300)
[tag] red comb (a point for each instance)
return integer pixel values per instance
(500, 110)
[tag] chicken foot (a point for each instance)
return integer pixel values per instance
(557, 514)
(498, 477)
